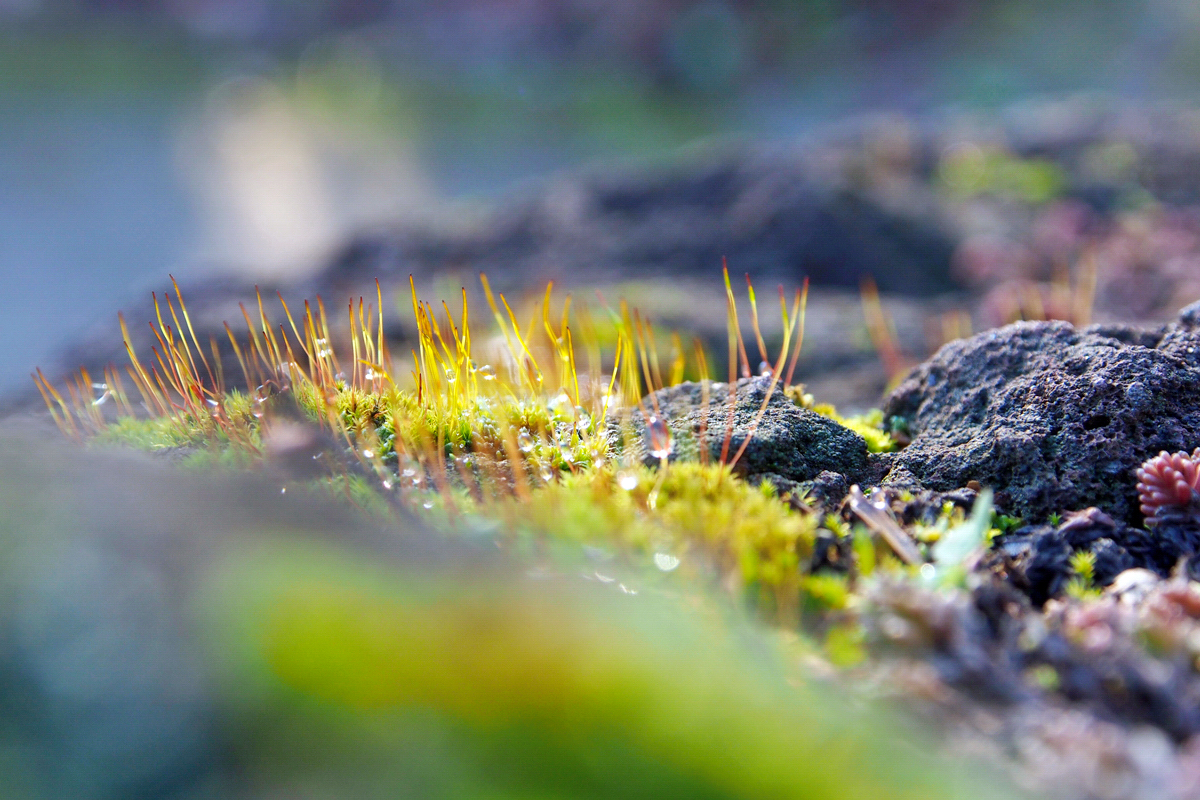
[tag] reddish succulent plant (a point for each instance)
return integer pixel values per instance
(1169, 480)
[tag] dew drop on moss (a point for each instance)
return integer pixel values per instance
(660, 437)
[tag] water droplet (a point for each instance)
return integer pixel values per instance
(283, 490)
(487, 372)
(103, 394)
(525, 441)
(627, 480)
(610, 401)
(665, 561)
(765, 368)
(603, 578)
(427, 505)
(547, 473)
(387, 485)
(660, 437)
(559, 403)
(368, 453)
(261, 395)
(928, 572)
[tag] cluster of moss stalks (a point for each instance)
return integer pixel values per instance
(523, 433)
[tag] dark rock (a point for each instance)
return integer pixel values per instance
(826, 492)
(789, 442)
(1037, 558)
(831, 553)
(1050, 417)
(1111, 561)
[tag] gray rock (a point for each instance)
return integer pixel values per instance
(790, 442)
(1051, 417)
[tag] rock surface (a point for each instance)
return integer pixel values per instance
(1037, 558)
(1053, 418)
(790, 442)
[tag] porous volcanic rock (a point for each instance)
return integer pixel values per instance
(1053, 418)
(789, 443)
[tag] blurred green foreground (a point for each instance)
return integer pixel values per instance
(164, 634)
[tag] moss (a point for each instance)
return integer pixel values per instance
(693, 519)
(1082, 585)
(523, 451)
(974, 171)
(868, 425)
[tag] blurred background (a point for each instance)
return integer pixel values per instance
(141, 137)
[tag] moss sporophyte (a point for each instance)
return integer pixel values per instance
(523, 426)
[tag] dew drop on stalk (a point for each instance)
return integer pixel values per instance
(409, 477)
(261, 394)
(368, 453)
(525, 441)
(665, 561)
(103, 394)
(559, 403)
(487, 372)
(547, 473)
(627, 480)
(660, 437)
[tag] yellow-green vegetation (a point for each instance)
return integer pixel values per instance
(696, 520)
(522, 424)
(1082, 585)
(970, 170)
(320, 655)
(868, 425)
